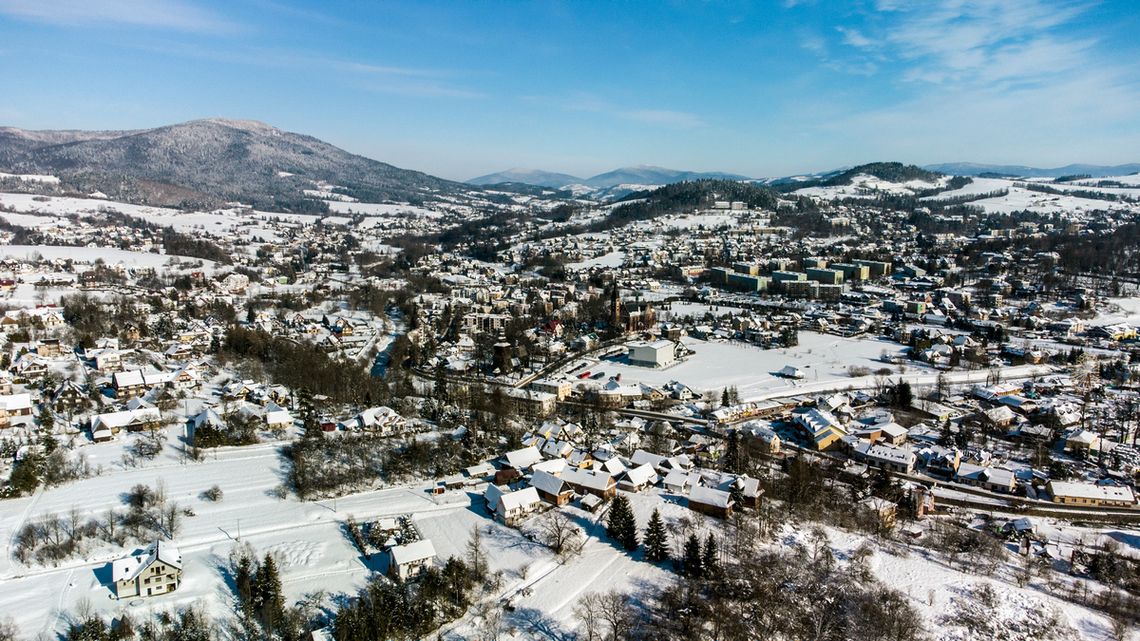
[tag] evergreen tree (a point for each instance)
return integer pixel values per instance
(621, 526)
(691, 565)
(725, 398)
(656, 539)
(268, 595)
(709, 562)
(731, 460)
(47, 430)
(243, 581)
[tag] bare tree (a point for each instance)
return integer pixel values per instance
(561, 534)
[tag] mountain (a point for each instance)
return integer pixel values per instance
(205, 162)
(977, 169)
(649, 175)
(527, 176)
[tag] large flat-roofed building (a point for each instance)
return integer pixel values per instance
(656, 354)
(1088, 494)
(825, 276)
(781, 276)
(747, 282)
(877, 269)
(851, 271)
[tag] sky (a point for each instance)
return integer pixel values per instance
(460, 89)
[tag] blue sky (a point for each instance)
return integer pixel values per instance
(464, 88)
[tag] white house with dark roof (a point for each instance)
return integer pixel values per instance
(156, 571)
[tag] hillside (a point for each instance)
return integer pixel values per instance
(689, 195)
(208, 161)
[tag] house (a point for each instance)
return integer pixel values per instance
(410, 560)
(128, 384)
(747, 488)
(552, 489)
(143, 418)
(995, 479)
(522, 459)
(763, 436)
(886, 457)
(882, 511)
(513, 506)
(68, 396)
(277, 417)
(819, 428)
(710, 501)
(1001, 416)
(1082, 442)
(789, 371)
(14, 408)
(600, 484)
(638, 478)
(530, 402)
(1087, 494)
(383, 420)
(156, 571)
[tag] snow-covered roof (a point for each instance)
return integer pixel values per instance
(710, 496)
(523, 458)
(1092, 492)
(519, 499)
(412, 552)
(127, 568)
(548, 483)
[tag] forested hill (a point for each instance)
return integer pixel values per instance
(205, 161)
(686, 196)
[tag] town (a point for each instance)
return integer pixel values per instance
(518, 410)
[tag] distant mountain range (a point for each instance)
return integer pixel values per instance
(203, 162)
(639, 175)
(977, 169)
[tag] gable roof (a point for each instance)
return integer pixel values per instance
(412, 552)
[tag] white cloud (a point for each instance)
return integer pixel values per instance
(169, 14)
(855, 38)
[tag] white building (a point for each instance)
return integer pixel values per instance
(656, 354)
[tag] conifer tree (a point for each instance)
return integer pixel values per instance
(709, 561)
(268, 595)
(691, 565)
(656, 539)
(731, 460)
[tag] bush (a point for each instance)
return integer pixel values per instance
(213, 494)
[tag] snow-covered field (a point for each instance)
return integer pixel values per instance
(29, 203)
(110, 256)
(1128, 312)
(307, 539)
(868, 186)
(718, 364)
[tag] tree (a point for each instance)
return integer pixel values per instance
(903, 396)
(47, 430)
(656, 539)
(691, 564)
(709, 557)
(731, 460)
(621, 525)
(476, 555)
(560, 533)
(269, 601)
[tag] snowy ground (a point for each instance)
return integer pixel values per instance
(307, 538)
(109, 256)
